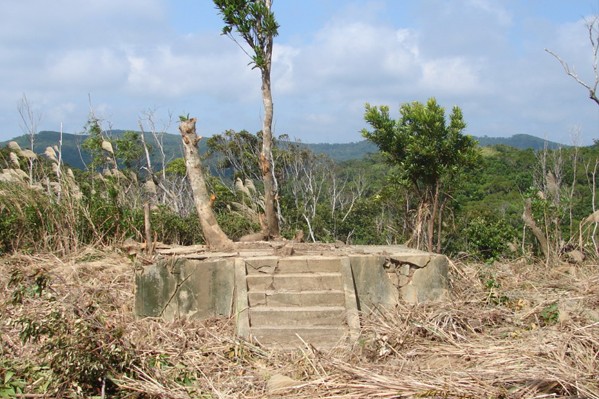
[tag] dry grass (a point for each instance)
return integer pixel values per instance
(512, 330)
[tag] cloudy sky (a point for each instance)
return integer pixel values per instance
(128, 59)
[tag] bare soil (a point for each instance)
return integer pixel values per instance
(514, 329)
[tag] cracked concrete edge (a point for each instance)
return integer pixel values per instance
(242, 319)
(351, 302)
(414, 260)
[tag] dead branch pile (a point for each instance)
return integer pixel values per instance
(517, 330)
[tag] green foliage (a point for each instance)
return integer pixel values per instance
(495, 295)
(372, 200)
(172, 228)
(93, 143)
(488, 238)
(30, 220)
(339, 152)
(430, 154)
(234, 224)
(81, 349)
(177, 167)
(11, 384)
(107, 216)
(360, 226)
(129, 149)
(255, 23)
(27, 286)
(549, 315)
(421, 142)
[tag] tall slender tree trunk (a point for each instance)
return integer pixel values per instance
(213, 234)
(266, 158)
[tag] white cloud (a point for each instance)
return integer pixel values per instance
(456, 75)
(493, 8)
(188, 69)
(92, 68)
(283, 61)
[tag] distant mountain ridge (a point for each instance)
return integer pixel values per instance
(520, 141)
(71, 144)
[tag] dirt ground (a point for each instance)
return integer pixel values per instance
(516, 329)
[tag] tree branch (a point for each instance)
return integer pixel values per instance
(594, 39)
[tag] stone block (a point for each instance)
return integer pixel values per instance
(187, 288)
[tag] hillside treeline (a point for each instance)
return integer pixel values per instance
(512, 203)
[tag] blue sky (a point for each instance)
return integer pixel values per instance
(167, 58)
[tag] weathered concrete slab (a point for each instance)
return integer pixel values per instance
(373, 286)
(200, 284)
(179, 287)
(426, 283)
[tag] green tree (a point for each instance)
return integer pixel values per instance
(176, 167)
(93, 144)
(254, 21)
(129, 149)
(429, 153)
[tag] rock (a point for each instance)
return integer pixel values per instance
(575, 256)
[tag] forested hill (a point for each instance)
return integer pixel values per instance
(71, 144)
(520, 141)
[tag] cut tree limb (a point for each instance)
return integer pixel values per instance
(213, 235)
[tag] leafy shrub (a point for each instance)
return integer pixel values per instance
(172, 228)
(81, 346)
(488, 238)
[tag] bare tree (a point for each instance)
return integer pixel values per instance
(158, 136)
(309, 175)
(593, 31)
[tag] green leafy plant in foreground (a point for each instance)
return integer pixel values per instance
(493, 287)
(81, 348)
(550, 314)
(10, 384)
(17, 378)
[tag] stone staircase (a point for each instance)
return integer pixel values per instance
(284, 303)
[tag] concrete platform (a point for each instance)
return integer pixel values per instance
(314, 295)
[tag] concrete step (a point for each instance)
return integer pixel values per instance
(297, 298)
(289, 337)
(279, 316)
(296, 264)
(294, 282)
